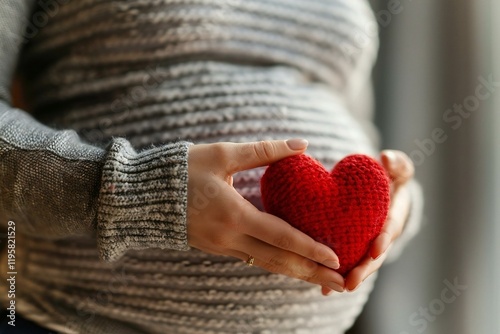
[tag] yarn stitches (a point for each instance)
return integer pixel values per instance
(345, 209)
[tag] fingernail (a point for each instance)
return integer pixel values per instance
(349, 290)
(332, 264)
(375, 256)
(356, 288)
(378, 256)
(391, 156)
(335, 286)
(395, 161)
(297, 144)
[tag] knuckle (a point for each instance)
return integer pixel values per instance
(282, 241)
(308, 268)
(278, 263)
(319, 252)
(313, 278)
(219, 152)
(264, 150)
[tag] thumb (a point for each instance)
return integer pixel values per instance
(256, 154)
(398, 165)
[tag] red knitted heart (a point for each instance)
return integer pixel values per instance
(345, 209)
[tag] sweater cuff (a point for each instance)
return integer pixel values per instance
(142, 199)
(413, 223)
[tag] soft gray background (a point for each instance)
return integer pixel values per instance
(431, 56)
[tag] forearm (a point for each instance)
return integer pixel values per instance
(57, 186)
(49, 179)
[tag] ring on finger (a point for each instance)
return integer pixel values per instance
(250, 261)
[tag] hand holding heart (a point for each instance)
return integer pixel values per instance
(345, 209)
(400, 170)
(220, 221)
(227, 224)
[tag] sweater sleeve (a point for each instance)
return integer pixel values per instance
(54, 185)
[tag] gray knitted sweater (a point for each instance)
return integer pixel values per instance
(95, 178)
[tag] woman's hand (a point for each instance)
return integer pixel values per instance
(222, 222)
(400, 169)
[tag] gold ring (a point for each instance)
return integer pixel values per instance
(250, 260)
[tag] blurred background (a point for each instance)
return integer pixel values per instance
(435, 103)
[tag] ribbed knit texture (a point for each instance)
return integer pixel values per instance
(344, 209)
(136, 79)
(141, 195)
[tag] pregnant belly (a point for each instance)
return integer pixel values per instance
(205, 102)
(199, 102)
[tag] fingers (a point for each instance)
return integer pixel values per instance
(326, 291)
(400, 169)
(380, 245)
(270, 250)
(398, 165)
(390, 232)
(280, 261)
(279, 233)
(394, 224)
(377, 254)
(367, 267)
(239, 157)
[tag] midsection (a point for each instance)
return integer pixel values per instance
(97, 83)
(205, 102)
(202, 71)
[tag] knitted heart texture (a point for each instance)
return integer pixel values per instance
(345, 209)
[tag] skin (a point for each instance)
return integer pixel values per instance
(241, 229)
